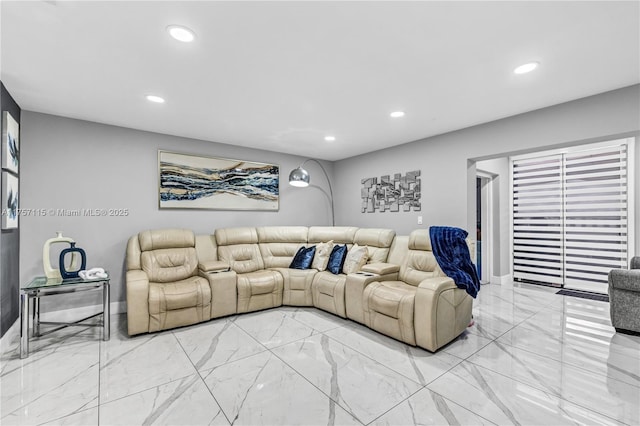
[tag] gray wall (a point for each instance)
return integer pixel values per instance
(447, 161)
(72, 164)
(75, 164)
(9, 244)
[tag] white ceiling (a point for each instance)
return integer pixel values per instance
(282, 75)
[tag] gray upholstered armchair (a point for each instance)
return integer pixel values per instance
(624, 297)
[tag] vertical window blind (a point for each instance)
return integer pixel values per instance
(571, 215)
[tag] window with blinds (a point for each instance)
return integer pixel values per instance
(571, 215)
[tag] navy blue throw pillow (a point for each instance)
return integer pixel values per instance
(303, 258)
(336, 259)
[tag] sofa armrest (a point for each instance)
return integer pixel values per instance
(224, 294)
(625, 279)
(213, 266)
(635, 262)
(137, 283)
(354, 291)
(442, 312)
(381, 268)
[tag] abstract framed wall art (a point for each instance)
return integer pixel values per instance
(10, 143)
(197, 182)
(391, 193)
(10, 201)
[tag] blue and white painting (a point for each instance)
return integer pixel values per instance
(189, 181)
(10, 201)
(10, 143)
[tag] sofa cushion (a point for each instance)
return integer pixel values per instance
(179, 303)
(328, 292)
(339, 234)
(389, 309)
(337, 258)
(321, 258)
(169, 264)
(166, 238)
(418, 265)
(356, 258)
(229, 236)
(279, 244)
(377, 240)
(242, 258)
(303, 258)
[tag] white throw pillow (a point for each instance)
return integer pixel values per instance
(321, 258)
(356, 258)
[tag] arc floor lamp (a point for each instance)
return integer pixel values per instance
(301, 178)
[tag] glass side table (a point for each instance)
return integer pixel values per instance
(41, 287)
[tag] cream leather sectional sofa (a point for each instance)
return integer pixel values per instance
(175, 278)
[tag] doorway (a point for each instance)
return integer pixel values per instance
(483, 226)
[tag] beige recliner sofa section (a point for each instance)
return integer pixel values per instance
(400, 291)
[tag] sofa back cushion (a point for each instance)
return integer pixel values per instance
(242, 258)
(279, 244)
(169, 264)
(419, 262)
(378, 242)
(166, 238)
(339, 234)
(231, 236)
(239, 248)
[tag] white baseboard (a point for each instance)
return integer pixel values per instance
(65, 315)
(501, 279)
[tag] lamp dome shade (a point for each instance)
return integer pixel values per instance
(299, 177)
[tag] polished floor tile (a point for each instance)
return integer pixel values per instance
(263, 390)
(132, 365)
(429, 408)
(415, 363)
(184, 401)
(359, 384)
(617, 399)
(504, 400)
(532, 357)
(273, 327)
(48, 385)
(217, 342)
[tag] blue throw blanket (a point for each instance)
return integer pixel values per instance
(451, 251)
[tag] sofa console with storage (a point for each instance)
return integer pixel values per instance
(390, 283)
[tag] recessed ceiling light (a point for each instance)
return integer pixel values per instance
(396, 114)
(156, 99)
(180, 33)
(329, 138)
(525, 68)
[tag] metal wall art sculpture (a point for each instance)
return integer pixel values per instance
(391, 193)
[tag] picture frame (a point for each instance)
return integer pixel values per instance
(187, 181)
(10, 143)
(10, 201)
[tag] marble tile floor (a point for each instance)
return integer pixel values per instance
(531, 358)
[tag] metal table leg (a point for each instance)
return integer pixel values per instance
(106, 311)
(24, 325)
(36, 316)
